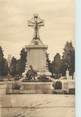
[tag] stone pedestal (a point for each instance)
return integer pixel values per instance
(36, 55)
(68, 77)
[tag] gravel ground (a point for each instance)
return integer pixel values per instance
(36, 105)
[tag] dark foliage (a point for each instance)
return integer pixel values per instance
(69, 58)
(58, 85)
(13, 66)
(21, 63)
(49, 64)
(59, 66)
(3, 64)
(17, 67)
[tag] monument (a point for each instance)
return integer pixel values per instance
(68, 76)
(36, 50)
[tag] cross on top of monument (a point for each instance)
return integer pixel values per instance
(36, 23)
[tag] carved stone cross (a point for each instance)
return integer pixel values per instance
(36, 23)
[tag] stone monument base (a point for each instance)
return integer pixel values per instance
(31, 88)
(47, 73)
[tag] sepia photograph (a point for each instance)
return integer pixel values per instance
(37, 58)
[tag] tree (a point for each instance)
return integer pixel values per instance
(13, 66)
(55, 66)
(63, 67)
(72, 65)
(49, 64)
(3, 64)
(56, 63)
(1, 54)
(5, 67)
(21, 63)
(69, 57)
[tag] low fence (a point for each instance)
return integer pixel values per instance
(31, 88)
(64, 87)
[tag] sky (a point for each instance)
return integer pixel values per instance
(58, 17)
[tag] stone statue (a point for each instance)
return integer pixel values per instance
(36, 23)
